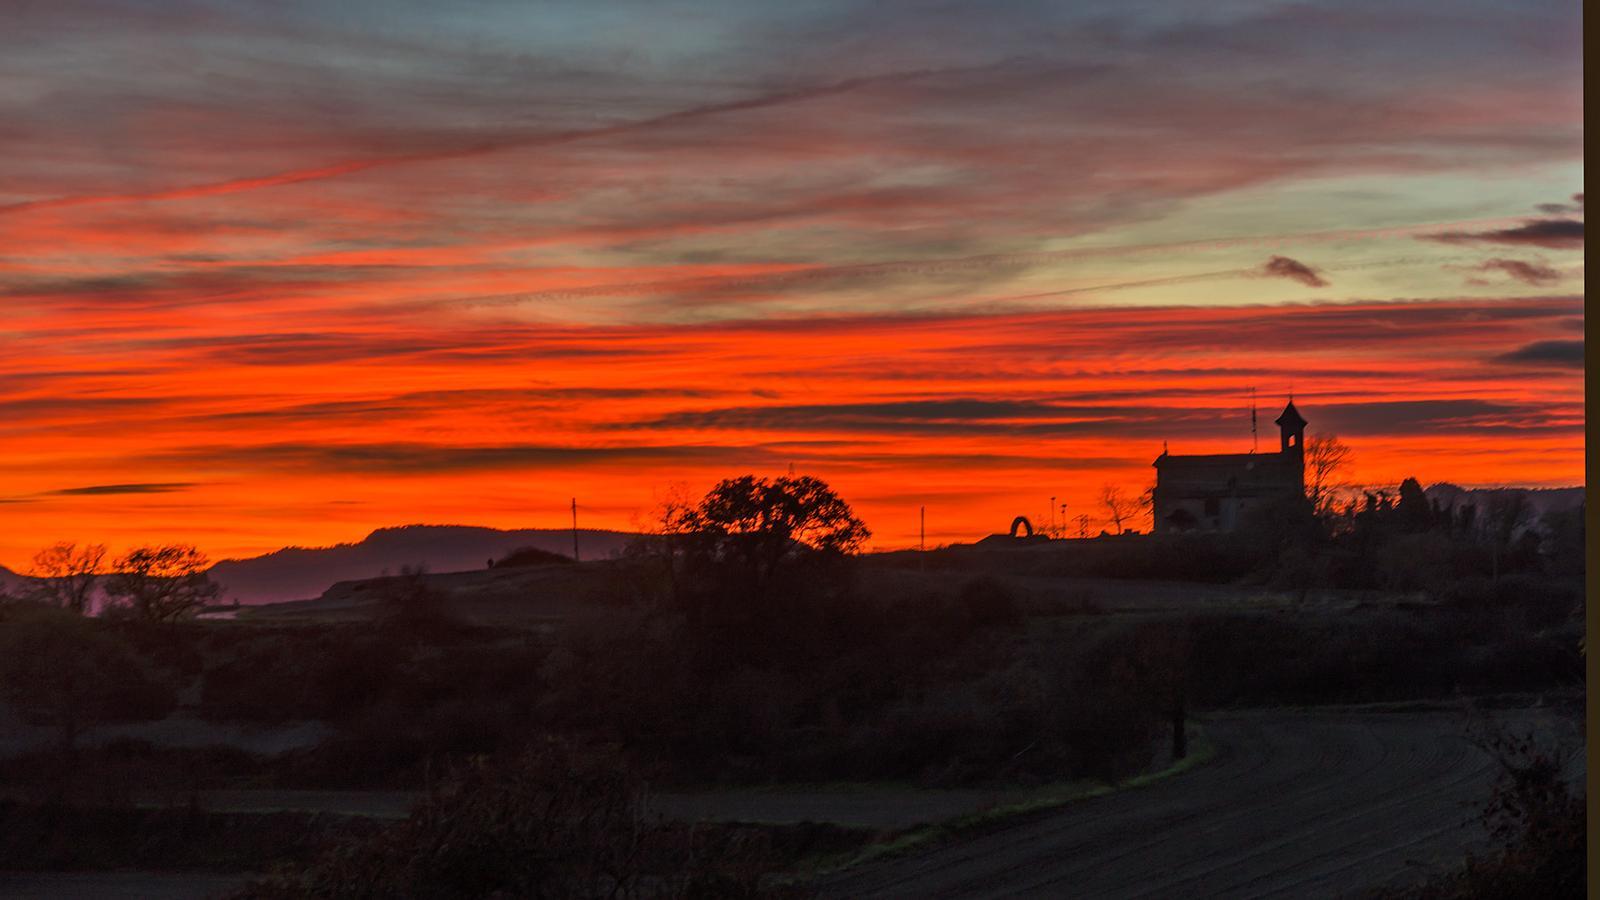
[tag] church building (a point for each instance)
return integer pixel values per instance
(1213, 493)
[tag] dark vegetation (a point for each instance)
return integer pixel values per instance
(530, 556)
(554, 820)
(746, 641)
(1398, 542)
(1535, 820)
(121, 836)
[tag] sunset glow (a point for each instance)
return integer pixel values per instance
(273, 274)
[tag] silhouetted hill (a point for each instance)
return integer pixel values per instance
(297, 573)
(1543, 500)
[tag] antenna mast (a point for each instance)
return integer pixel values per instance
(574, 529)
(1254, 443)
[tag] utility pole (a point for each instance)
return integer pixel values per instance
(574, 529)
(1053, 514)
(922, 529)
(1254, 446)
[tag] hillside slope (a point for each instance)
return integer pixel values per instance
(296, 573)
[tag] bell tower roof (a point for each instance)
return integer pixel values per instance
(1290, 420)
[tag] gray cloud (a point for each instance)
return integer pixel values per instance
(1559, 209)
(1561, 354)
(1534, 273)
(404, 458)
(95, 490)
(1556, 234)
(1035, 419)
(1400, 417)
(1294, 270)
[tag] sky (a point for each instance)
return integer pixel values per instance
(280, 273)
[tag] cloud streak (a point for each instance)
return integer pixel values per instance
(1560, 354)
(1555, 234)
(102, 490)
(1531, 273)
(1294, 270)
(350, 267)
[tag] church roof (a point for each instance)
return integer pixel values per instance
(1291, 417)
(1221, 459)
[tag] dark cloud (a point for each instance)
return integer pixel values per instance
(1025, 420)
(291, 349)
(95, 490)
(1557, 234)
(416, 403)
(1534, 273)
(173, 290)
(952, 409)
(66, 407)
(1562, 354)
(506, 141)
(1454, 416)
(1293, 269)
(1559, 209)
(416, 458)
(944, 417)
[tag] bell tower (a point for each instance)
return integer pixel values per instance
(1291, 431)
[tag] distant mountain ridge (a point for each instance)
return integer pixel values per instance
(300, 573)
(1543, 500)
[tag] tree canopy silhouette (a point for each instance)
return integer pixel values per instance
(162, 583)
(65, 575)
(763, 521)
(751, 543)
(1327, 461)
(62, 671)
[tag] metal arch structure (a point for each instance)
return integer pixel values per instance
(1022, 523)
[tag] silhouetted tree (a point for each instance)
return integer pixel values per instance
(1146, 505)
(1118, 505)
(765, 521)
(1413, 513)
(1160, 662)
(1327, 460)
(409, 599)
(63, 672)
(162, 583)
(760, 524)
(752, 545)
(1505, 514)
(1563, 545)
(66, 575)
(556, 821)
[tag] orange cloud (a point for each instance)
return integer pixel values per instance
(316, 434)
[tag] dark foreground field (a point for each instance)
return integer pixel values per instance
(1292, 804)
(988, 724)
(1295, 804)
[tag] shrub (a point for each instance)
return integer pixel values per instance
(989, 603)
(556, 820)
(71, 673)
(1536, 823)
(530, 556)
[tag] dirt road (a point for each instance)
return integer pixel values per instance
(1301, 805)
